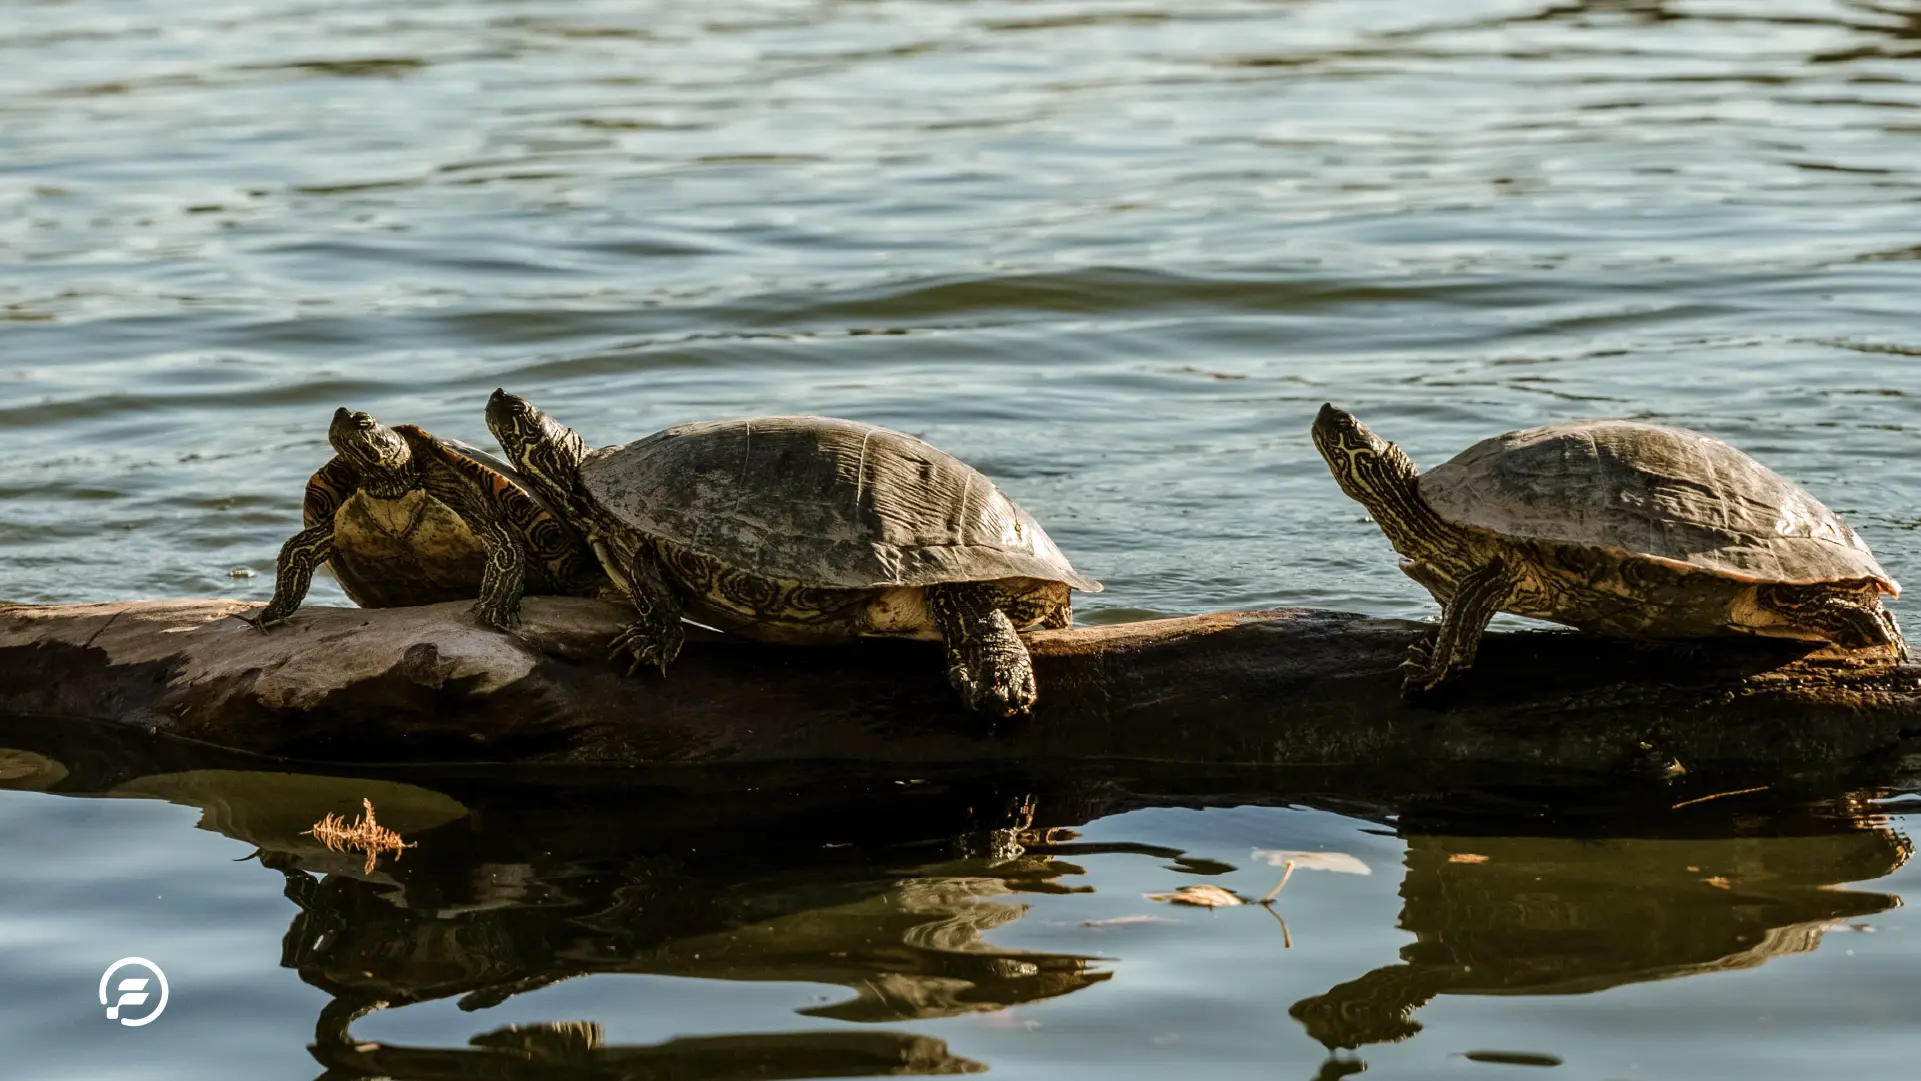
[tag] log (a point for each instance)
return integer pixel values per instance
(1267, 689)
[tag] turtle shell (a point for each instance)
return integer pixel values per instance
(823, 502)
(412, 549)
(1647, 491)
(491, 463)
(402, 550)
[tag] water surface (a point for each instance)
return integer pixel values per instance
(1113, 253)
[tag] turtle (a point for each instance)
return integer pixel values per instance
(1614, 527)
(803, 529)
(403, 518)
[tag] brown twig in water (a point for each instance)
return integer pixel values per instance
(1718, 795)
(363, 834)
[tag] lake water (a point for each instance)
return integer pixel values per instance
(1113, 253)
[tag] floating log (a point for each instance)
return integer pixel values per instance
(1291, 687)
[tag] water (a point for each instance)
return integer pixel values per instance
(1112, 253)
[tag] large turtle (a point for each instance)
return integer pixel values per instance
(1616, 527)
(802, 530)
(404, 518)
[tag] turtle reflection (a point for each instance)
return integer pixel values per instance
(517, 884)
(910, 949)
(1561, 916)
(490, 910)
(577, 1049)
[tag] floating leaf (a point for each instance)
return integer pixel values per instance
(363, 834)
(1201, 896)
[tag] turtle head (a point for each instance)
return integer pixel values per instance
(544, 449)
(1370, 469)
(371, 446)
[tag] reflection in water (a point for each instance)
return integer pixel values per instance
(575, 1050)
(514, 889)
(1560, 916)
(910, 948)
(895, 892)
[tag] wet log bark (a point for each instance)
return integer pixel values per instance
(1290, 687)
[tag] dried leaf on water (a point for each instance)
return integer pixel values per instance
(1200, 896)
(363, 834)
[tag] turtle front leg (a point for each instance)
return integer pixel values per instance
(986, 660)
(1478, 594)
(503, 579)
(1849, 619)
(293, 574)
(656, 636)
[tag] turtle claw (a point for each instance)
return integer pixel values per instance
(263, 622)
(998, 686)
(1418, 677)
(649, 640)
(998, 697)
(1415, 687)
(1009, 693)
(639, 662)
(504, 619)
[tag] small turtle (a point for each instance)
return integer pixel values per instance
(805, 530)
(404, 518)
(1615, 527)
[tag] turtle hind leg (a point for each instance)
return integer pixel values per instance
(1438, 657)
(1898, 643)
(1848, 618)
(303, 553)
(986, 660)
(1047, 606)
